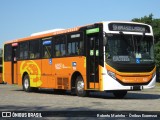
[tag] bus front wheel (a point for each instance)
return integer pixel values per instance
(120, 94)
(26, 83)
(80, 87)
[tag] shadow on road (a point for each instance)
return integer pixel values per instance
(102, 95)
(143, 96)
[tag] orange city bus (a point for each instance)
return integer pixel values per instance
(108, 56)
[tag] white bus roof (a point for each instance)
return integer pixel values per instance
(47, 31)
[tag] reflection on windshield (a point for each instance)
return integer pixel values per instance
(129, 48)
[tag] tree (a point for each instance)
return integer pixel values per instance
(155, 23)
(157, 59)
(157, 53)
(145, 19)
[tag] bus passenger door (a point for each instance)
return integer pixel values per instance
(92, 61)
(14, 64)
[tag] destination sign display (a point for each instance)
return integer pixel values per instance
(129, 27)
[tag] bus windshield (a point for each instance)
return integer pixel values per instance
(132, 49)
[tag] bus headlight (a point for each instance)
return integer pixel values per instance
(153, 75)
(112, 74)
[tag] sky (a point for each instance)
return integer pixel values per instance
(21, 18)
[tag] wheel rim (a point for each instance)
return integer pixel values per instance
(80, 86)
(26, 83)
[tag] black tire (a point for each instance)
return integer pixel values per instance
(26, 84)
(120, 94)
(80, 87)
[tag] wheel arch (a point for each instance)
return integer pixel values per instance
(24, 74)
(73, 79)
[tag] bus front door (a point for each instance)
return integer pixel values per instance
(92, 62)
(14, 65)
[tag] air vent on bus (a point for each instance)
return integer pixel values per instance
(63, 83)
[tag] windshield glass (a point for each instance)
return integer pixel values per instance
(129, 48)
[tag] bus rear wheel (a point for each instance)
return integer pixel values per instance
(26, 84)
(80, 87)
(120, 94)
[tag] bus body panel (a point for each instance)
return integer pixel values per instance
(33, 69)
(46, 74)
(7, 72)
(129, 83)
(110, 84)
(51, 73)
(1, 78)
(63, 69)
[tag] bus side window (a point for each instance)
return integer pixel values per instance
(7, 52)
(46, 47)
(25, 54)
(37, 55)
(47, 51)
(75, 44)
(57, 50)
(32, 55)
(21, 55)
(24, 49)
(60, 46)
(80, 48)
(69, 48)
(75, 48)
(34, 51)
(63, 51)
(60, 50)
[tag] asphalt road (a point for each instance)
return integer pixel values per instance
(13, 98)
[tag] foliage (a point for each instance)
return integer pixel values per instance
(157, 53)
(155, 23)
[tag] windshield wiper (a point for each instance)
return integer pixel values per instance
(123, 37)
(142, 38)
